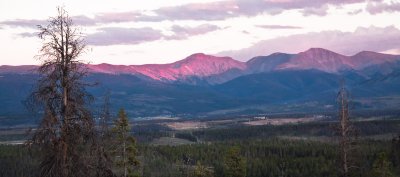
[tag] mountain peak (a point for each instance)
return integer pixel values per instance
(201, 57)
(317, 50)
(369, 54)
(197, 55)
(317, 58)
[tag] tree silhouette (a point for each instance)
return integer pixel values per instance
(66, 129)
(126, 146)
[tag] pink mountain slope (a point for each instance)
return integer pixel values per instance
(199, 65)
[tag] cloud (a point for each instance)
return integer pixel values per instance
(212, 11)
(319, 11)
(199, 11)
(123, 36)
(119, 17)
(227, 9)
(349, 43)
(278, 27)
(26, 23)
(28, 34)
(83, 20)
(126, 36)
(33, 23)
(355, 12)
(183, 32)
(392, 51)
(116, 17)
(375, 7)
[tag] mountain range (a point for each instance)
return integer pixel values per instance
(208, 85)
(207, 67)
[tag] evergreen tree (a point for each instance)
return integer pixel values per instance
(126, 146)
(382, 166)
(202, 171)
(395, 153)
(234, 163)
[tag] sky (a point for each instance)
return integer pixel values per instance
(155, 32)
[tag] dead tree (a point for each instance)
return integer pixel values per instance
(102, 156)
(67, 124)
(346, 132)
(105, 116)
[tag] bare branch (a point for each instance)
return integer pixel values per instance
(67, 124)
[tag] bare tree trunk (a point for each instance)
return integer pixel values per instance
(345, 130)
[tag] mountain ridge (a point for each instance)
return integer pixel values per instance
(214, 69)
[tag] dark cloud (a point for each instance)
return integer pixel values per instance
(375, 7)
(372, 38)
(278, 27)
(124, 36)
(183, 32)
